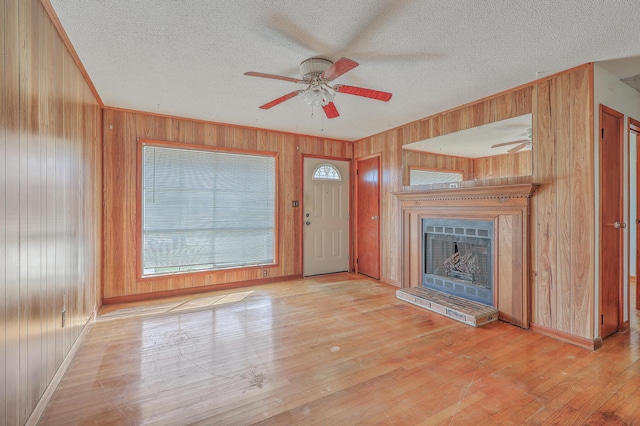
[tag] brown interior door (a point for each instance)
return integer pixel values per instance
(368, 217)
(634, 135)
(611, 220)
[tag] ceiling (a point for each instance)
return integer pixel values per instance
(188, 58)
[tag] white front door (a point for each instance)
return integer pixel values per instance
(325, 216)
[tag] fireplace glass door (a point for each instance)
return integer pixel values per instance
(458, 258)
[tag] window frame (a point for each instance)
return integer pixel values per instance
(199, 147)
(313, 176)
(431, 169)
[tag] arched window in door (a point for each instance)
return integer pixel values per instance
(326, 172)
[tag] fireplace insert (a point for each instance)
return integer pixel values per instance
(458, 258)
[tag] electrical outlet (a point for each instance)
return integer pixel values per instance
(64, 318)
(265, 273)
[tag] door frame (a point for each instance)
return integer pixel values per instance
(355, 184)
(301, 207)
(634, 131)
(620, 320)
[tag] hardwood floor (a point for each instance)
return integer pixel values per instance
(337, 349)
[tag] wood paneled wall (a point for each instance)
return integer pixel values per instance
(562, 209)
(50, 210)
(495, 167)
(121, 130)
(502, 166)
(395, 164)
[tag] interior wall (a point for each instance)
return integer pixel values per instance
(563, 207)
(395, 162)
(610, 91)
(503, 166)
(121, 131)
(50, 210)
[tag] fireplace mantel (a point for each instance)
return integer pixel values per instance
(498, 192)
(507, 206)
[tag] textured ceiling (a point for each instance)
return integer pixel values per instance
(187, 58)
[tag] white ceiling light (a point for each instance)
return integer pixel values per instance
(318, 95)
(318, 92)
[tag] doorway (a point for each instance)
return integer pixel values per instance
(634, 138)
(612, 224)
(367, 221)
(325, 236)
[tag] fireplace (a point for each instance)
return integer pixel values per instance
(458, 258)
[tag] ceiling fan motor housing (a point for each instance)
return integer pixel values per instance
(313, 67)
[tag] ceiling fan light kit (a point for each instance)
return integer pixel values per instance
(313, 67)
(316, 74)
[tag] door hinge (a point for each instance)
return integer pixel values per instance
(357, 261)
(602, 136)
(602, 319)
(357, 172)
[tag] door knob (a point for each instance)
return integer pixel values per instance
(307, 223)
(619, 225)
(374, 218)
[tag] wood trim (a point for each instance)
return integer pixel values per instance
(388, 281)
(67, 42)
(610, 111)
(434, 169)
(634, 129)
(591, 344)
(356, 161)
(351, 205)
(178, 145)
(471, 193)
(202, 147)
(194, 290)
(632, 124)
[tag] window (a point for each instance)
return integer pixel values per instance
(326, 172)
(426, 177)
(205, 210)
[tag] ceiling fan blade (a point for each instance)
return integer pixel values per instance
(510, 143)
(330, 110)
(281, 99)
(341, 66)
(367, 93)
(518, 148)
(273, 76)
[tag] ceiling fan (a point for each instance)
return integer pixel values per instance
(317, 73)
(522, 143)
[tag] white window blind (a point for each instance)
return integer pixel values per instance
(426, 177)
(206, 210)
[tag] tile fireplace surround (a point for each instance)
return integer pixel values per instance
(507, 206)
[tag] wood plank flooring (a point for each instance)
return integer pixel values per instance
(337, 349)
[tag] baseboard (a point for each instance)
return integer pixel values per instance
(566, 337)
(391, 282)
(57, 378)
(194, 290)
